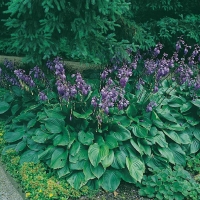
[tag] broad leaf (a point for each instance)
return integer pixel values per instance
(86, 138)
(87, 171)
(110, 180)
(31, 123)
(185, 107)
(166, 152)
(123, 120)
(20, 146)
(4, 106)
(136, 167)
(84, 115)
(108, 160)
(14, 136)
(179, 154)
(111, 141)
(54, 125)
(131, 111)
(196, 102)
(63, 171)
(119, 159)
(136, 147)
(194, 146)
(97, 153)
(40, 136)
(139, 131)
(59, 158)
(75, 148)
(97, 171)
(120, 132)
(77, 180)
(29, 156)
(156, 120)
(173, 135)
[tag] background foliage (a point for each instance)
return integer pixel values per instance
(92, 30)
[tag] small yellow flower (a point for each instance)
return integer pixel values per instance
(40, 190)
(50, 195)
(28, 194)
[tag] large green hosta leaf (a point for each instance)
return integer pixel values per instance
(123, 120)
(179, 154)
(156, 120)
(119, 160)
(63, 171)
(120, 132)
(77, 180)
(139, 131)
(59, 158)
(40, 136)
(84, 115)
(87, 171)
(4, 106)
(108, 160)
(136, 167)
(97, 153)
(62, 139)
(29, 156)
(110, 180)
(97, 171)
(54, 125)
(14, 136)
(173, 135)
(156, 162)
(194, 146)
(131, 111)
(86, 138)
(111, 141)
(167, 153)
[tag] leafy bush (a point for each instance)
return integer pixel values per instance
(94, 30)
(99, 132)
(170, 184)
(193, 164)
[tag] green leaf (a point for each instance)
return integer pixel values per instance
(84, 115)
(119, 159)
(85, 138)
(78, 165)
(192, 120)
(194, 146)
(17, 91)
(168, 116)
(166, 152)
(40, 136)
(111, 141)
(196, 102)
(131, 111)
(173, 135)
(63, 171)
(47, 154)
(29, 156)
(4, 106)
(136, 167)
(156, 120)
(20, 146)
(77, 180)
(160, 139)
(174, 127)
(139, 131)
(136, 147)
(196, 133)
(123, 120)
(108, 160)
(185, 107)
(54, 125)
(15, 108)
(31, 123)
(175, 102)
(179, 154)
(56, 113)
(110, 180)
(87, 171)
(7, 148)
(75, 148)
(120, 132)
(97, 153)
(97, 171)
(156, 162)
(59, 158)
(14, 136)
(24, 117)
(184, 137)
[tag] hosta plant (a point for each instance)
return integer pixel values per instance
(170, 184)
(97, 132)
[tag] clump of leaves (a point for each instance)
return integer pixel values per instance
(170, 184)
(193, 164)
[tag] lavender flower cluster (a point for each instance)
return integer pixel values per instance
(22, 76)
(66, 90)
(37, 73)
